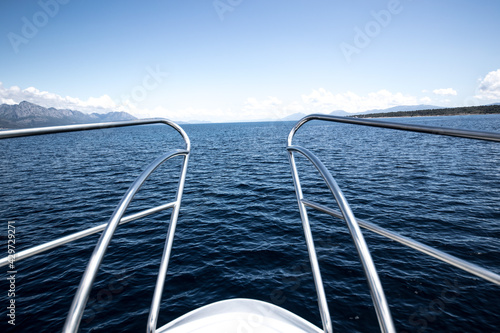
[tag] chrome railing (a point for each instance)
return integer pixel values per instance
(80, 300)
(345, 213)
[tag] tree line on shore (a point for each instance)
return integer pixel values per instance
(468, 110)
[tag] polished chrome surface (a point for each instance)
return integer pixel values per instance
(81, 234)
(320, 291)
(488, 136)
(376, 290)
(86, 127)
(160, 281)
(438, 254)
(345, 212)
(82, 294)
(76, 311)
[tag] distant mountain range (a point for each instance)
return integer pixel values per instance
(27, 114)
(342, 113)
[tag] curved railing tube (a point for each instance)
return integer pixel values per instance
(80, 300)
(318, 282)
(376, 290)
(378, 297)
(478, 135)
(86, 127)
(160, 281)
(82, 294)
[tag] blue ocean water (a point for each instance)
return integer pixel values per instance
(239, 232)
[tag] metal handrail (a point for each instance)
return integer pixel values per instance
(438, 254)
(80, 300)
(478, 135)
(318, 282)
(76, 311)
(81, 234)
(384, 318)
(86, 127)
(376, 290)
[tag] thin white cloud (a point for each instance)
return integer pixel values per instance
(157, 112)
(321, 100)
(426, 100)
(294, 107)
(445, 92)
(489, 87)
(317, 101)
(185, 114)
(272, 107)
(14, 95)
(251, 110)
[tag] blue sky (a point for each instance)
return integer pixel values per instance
(238, 60)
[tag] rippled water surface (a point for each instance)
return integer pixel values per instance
(239, 232)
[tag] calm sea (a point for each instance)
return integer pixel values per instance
(239, 232)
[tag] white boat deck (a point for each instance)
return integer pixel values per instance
(239, 315)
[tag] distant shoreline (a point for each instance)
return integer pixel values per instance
(460, 111)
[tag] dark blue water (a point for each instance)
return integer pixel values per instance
(239, 231)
